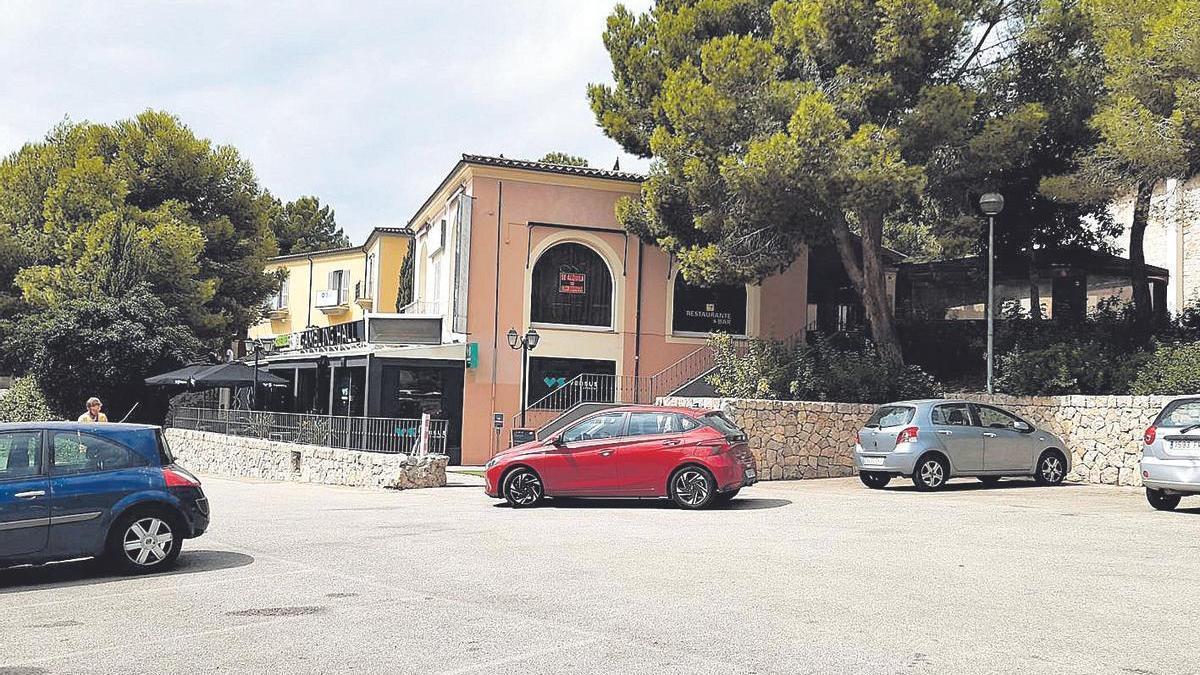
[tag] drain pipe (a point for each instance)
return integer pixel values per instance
(637, 331)
(496, 317)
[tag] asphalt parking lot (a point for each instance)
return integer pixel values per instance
(796, 577)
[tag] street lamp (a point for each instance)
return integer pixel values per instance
(526, 343)
(991, 204)
(256, 347)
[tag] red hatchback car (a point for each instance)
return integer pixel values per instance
(693, 456)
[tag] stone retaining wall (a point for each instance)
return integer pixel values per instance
(805, 439)
(236, 456)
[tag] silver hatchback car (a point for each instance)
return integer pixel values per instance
(1171, 454)
(936, 440)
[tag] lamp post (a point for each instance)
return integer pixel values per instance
(256, 347)
(991, 204)
(526, 343)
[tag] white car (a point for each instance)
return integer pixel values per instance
(1171, 454)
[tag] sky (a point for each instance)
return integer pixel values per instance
(366, 105)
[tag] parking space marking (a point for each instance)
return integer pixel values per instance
(154, 589)
(517, 658)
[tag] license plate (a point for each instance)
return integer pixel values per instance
(872, 461)
(1185, 447)
(751, 473)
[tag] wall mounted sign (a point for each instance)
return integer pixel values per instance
(717, 309)
(520, 436)
(574, 283)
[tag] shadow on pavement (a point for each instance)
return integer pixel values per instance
(966, 485)
(739, 504)
(91, 571)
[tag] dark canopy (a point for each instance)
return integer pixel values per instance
(232, 374)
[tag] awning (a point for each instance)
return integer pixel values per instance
(232, 374)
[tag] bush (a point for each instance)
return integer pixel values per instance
(757, 369)
(25, 402)
(1173, 370)
(848, 371)
(1071, 367)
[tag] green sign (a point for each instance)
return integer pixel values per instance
(282, 340)
(472, 354)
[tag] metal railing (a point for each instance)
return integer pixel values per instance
(423, 308)
(597, 388)
(369, 434)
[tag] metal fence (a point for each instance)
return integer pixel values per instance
(370, 434)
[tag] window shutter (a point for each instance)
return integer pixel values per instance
(283, 292)
(462, 266)
(344, 287)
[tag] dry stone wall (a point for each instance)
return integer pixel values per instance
(235, 456)
(805, 439)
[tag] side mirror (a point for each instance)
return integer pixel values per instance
(1022, 426)
(557, 441)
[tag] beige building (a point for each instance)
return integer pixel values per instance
(335, 287)
(1172, 238)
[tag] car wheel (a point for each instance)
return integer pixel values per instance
(523, 488)
(875, 479)
(1161, 501)
(1051, 468)
(989, 480)
(692, 488)
(726, 497)
(931, 473)
(144, 542)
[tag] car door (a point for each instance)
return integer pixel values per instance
(656, 441)
(1004, 447)
(24, 495)
(960, 435)
(89, 475)
(584, 461)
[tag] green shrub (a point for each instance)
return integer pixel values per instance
(1069, 367)
(846, 371)
(754, 369)
(1173, 370)
(25, 402)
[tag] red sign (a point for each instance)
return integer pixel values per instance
(574, 283)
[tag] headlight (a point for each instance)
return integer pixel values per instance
(491, 462)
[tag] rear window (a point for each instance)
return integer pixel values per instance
(164, 450)
(1184, 413)
(891, 416)
(720, 422)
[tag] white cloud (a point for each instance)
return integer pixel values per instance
(366, 105)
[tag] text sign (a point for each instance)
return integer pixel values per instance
(498, 420)
(573, 283)
(520, 436)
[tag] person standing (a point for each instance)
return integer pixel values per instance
(93, 413)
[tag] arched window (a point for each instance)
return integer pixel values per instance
(572, 286)
(711, 309)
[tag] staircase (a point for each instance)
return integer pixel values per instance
(589, 392)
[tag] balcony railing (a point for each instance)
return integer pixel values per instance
(423, 308)
(369, 434)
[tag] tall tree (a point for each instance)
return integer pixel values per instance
(776, 125)
(1148, 121)
(564, 159)
(304, 225)
(404, 293)
(99, 210)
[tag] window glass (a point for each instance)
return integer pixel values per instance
(891, 416)
(952, 414)
(73, 452)
(20, 454)
(571, 285)
(608, 425)
(721, 422)
(654, 423)
(1180, 414)
(995, 418)
(713, 309)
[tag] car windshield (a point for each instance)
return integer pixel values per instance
(1180, 414)
(891, 416)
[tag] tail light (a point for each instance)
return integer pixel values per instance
(907, 436)
(1150, 435)
(179, 477)
(716, 445)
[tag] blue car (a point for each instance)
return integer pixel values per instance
(112, 491)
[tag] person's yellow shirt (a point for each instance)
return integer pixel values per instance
(87, 417)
